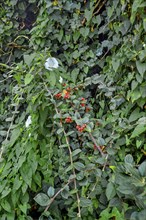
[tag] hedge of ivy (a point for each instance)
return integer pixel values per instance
(73, 138)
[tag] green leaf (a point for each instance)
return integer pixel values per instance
(138, 143)
(74, 75)
(51, 78)
(26, 173)
(75, 152)
(17, 183)
(6, 206)
(5, 192)
(28, 58)
(110, 11)
(115, 213)
(84, 202)
(129, 159)
(134, 115)
(76, 35)
(51, 191)
(135, 6)
(60, 130)
(79, 166)
(28, 78)
(42, 199)
(135, 95)
(141, 67)
(139, 129)
(23, 208)
(84, 31)
(142, 169)
(110, 191)
(116, 64)
(69, 133)
(88, 14)
(105, 214)
(65, 193)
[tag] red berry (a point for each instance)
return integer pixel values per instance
(67, 95)
(68, 120)
(58, 95)
(68, 89)
(83, 104)
(81, 128)
(87, 109)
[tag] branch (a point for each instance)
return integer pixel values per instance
(53, 198)
(102, 4)
(94, 141)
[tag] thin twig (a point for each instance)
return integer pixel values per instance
(9, 76)
(99, 1)
(7, 135)
(94, 141)
(7, 67)
(96, 12)
(74, 173)
(53, 198)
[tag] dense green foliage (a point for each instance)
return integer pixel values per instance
(82, 156)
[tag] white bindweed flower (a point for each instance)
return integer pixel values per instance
(61, 80)
(28, 122)
(51, 63)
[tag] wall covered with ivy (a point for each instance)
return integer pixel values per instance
(72, 109)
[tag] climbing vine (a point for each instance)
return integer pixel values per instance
(72, 109)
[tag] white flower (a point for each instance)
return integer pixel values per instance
(51, 63)
(61, 80)
(28, 122)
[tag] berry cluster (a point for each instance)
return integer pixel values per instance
(68, 120)
(83, 101)
(81, 128)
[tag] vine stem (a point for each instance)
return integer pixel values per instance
(94, 141)
(7, 135)
(7, 67)
(102, 4)
(53, 198)
(70, 155)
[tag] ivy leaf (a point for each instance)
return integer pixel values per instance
(74, 75)
(6, 206)
(28, 78)
(116, 64)
(28, 58)
(84, 32)
(51, 78)
(88, 15)
(139, 129)
(141, 67)
(23, 208)
(42, 199)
